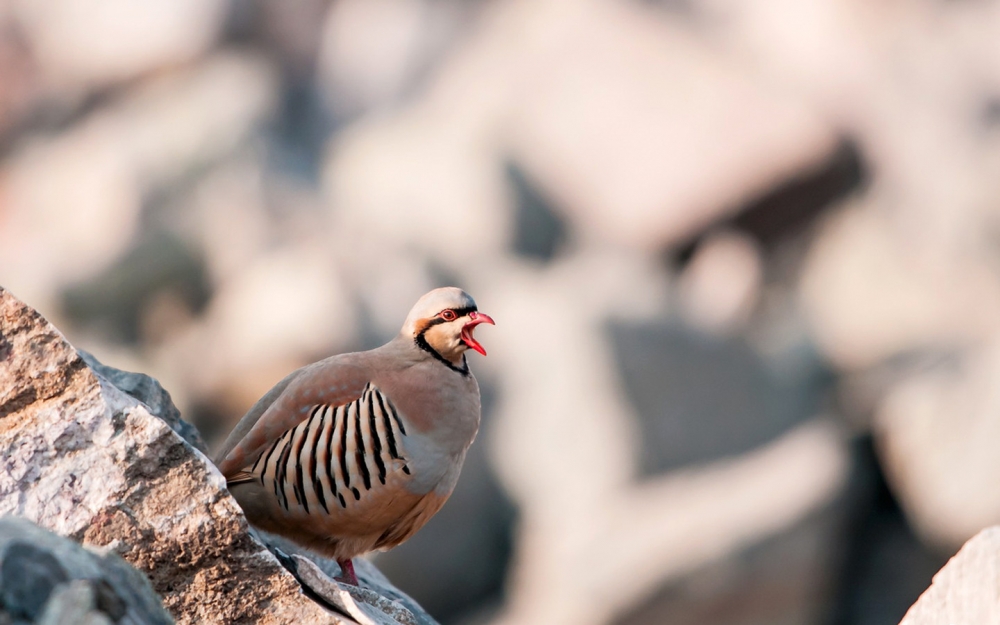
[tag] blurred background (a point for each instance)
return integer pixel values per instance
(744, 259)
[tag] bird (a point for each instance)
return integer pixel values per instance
(356, 452)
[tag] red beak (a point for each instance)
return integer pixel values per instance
(476, 319)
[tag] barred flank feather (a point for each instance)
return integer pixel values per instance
(336, 455)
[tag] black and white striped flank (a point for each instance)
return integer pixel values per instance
(335, 455)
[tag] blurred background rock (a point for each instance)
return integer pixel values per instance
(744, 258)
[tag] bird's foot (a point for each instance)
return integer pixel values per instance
(347, 575)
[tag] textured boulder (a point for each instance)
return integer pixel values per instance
(964, 592)
(101, 456)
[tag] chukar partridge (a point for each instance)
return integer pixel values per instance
(356, 452)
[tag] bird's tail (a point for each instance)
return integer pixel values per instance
(240, 477)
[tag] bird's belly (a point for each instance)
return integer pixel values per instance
(356, 527)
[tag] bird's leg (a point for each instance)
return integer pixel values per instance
(347, 572)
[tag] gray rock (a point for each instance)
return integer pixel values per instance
(376, 602)
(27, 578)
(73, 604)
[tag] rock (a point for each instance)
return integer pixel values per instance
(937, 433)
(593, 504)
(600, 105)
(374, 53)
(779, 580)
(964, 592)
(146, 294)
(22, 86)
(720, 286)
(287, 302)
(290, 32)
(874, 289)
(698, 397)
(91, 43)
(386, 606)
(638, 129)
(371, 50)
(51, 580)
(415, 179)
(913, 320)
(107, 163)
(89, 460)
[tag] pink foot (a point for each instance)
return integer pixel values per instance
(347, 572)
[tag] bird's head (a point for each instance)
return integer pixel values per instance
(442, 322)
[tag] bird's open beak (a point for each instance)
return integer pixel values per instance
(475, 319)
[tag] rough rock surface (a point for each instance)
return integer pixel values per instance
(964, 592)
(149, 392)
(376, 602)
(85, 458)
(48, 579)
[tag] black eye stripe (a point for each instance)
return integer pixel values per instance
(459, 312)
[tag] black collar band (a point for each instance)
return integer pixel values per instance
(424, 345)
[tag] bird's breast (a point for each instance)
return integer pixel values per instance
(444, 408)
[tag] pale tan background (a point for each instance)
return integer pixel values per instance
(744, 259)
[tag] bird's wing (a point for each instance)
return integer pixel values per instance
(345, 463)
(333, 382)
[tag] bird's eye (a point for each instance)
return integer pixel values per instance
(448, 315)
